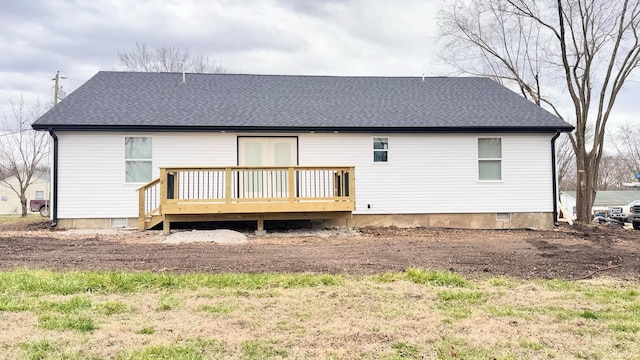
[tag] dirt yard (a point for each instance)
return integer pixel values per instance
(568, 253)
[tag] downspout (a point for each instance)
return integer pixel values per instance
(554, 177)
(54, 192)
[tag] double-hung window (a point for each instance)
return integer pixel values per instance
(138, 159)
(380, 150)
(490, 159)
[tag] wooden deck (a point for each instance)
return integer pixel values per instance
(188, 194)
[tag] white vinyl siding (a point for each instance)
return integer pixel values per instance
(430, 173)
(91, 178)
(437, 173)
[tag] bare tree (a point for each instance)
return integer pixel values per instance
(627, 144)
(586, 49)
(566, 164)
(613, 172)
(613, 168)
(23, 151)
(167, 59)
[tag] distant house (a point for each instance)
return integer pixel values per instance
(151, 148)
(9, 200)
(604, 199)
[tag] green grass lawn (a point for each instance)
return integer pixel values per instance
(17, 218)
(417, 314)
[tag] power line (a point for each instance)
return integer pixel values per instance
(32, 85)
(14, 131)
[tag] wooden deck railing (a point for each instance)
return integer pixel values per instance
(148, 202)
(245, 189)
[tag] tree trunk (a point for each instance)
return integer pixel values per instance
(23, 202)
(586, 190)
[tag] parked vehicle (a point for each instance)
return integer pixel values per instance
(619, 212)
(41, 206)
(634, 214)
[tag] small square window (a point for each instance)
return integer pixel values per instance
(380, 149)
(39, 195)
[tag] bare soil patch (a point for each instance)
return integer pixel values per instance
(568, 252)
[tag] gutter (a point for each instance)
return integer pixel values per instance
(554, 177)
(54, 195)
(298, 129)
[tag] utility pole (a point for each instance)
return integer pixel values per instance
(56, 87)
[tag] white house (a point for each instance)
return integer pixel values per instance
(406, 151)
(603, 201)
(10, 201)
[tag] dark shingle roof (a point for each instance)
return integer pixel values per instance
(161, 101)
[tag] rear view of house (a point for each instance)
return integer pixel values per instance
(151, 148)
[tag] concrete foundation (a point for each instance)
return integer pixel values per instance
(97, 223)
(467, 221)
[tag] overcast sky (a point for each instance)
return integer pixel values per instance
(323, 37)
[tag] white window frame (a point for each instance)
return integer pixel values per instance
(386, 150)
(150, 160)
(480, 160)
(41, 197)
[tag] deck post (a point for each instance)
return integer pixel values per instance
(352, 184)
(141, 208)
(260, 227)
(166, 225)
(291, 184)
(163, 187)
(227, 185)
(163, 199)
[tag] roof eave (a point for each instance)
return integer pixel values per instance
(319, 129)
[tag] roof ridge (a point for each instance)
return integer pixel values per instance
(294, 75)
